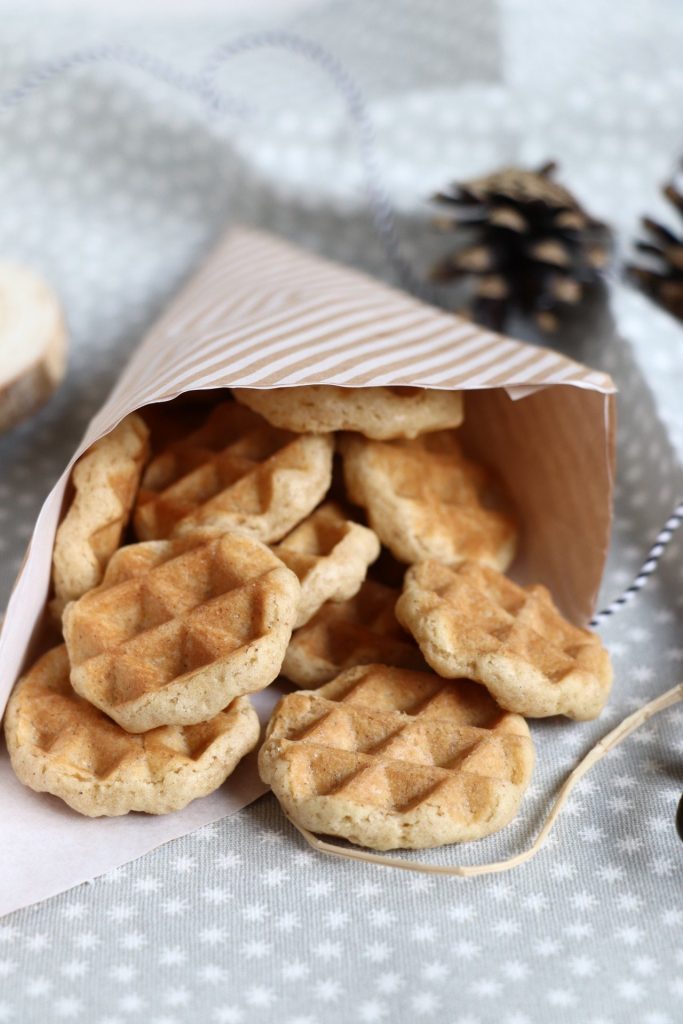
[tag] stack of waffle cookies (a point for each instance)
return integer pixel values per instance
(338, 538)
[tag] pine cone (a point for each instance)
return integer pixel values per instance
(531, 246)
(663, 279)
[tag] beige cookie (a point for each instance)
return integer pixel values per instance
(59, 743)
(178, 629)
(388, 758)
(424, 499)
(472, 621)
(234, 473)
(376, 412)
(330, 556)
(105, 482)
(343, 634)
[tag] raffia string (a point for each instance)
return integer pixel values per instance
(596, 754)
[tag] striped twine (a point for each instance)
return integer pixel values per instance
(649, 566)
(383, 216)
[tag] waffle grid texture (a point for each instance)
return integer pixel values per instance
(179, 628)
(234, 472)
(61, 744)
(389, 758)
(343, 634)
(472, 621)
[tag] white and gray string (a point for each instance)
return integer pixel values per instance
(648, 567)
(216, 102)
(202, 86)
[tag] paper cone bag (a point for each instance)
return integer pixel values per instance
(261, 314)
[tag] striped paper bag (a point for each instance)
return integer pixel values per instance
(260, 313)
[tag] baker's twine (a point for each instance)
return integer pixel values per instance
(654, 555)
(216, 103)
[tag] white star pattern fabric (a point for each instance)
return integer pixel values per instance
(114, 185)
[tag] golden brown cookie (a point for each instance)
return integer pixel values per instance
(424, 499)
(388, 758)
(105, 481)
(375, 412)
(60, 744)
(343, 634)
(330, 556)
(235, 473)
(178, 629)
(472, 621)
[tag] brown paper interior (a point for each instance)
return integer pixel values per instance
(555, 452)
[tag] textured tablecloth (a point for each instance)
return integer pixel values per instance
(114, 186)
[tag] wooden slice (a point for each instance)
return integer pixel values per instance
(33, 343)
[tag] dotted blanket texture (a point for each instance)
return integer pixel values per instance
(114, 187)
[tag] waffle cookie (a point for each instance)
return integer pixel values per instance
(424, 499)
(59, 743)
(235, 473)
(375, 412)
(178, 629)
(344, 634)
(330, 556)
(392, 759)
(472, 621)
(105, 480)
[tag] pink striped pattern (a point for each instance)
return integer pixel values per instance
(261, 313)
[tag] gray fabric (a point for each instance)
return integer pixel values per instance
(114, 187)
